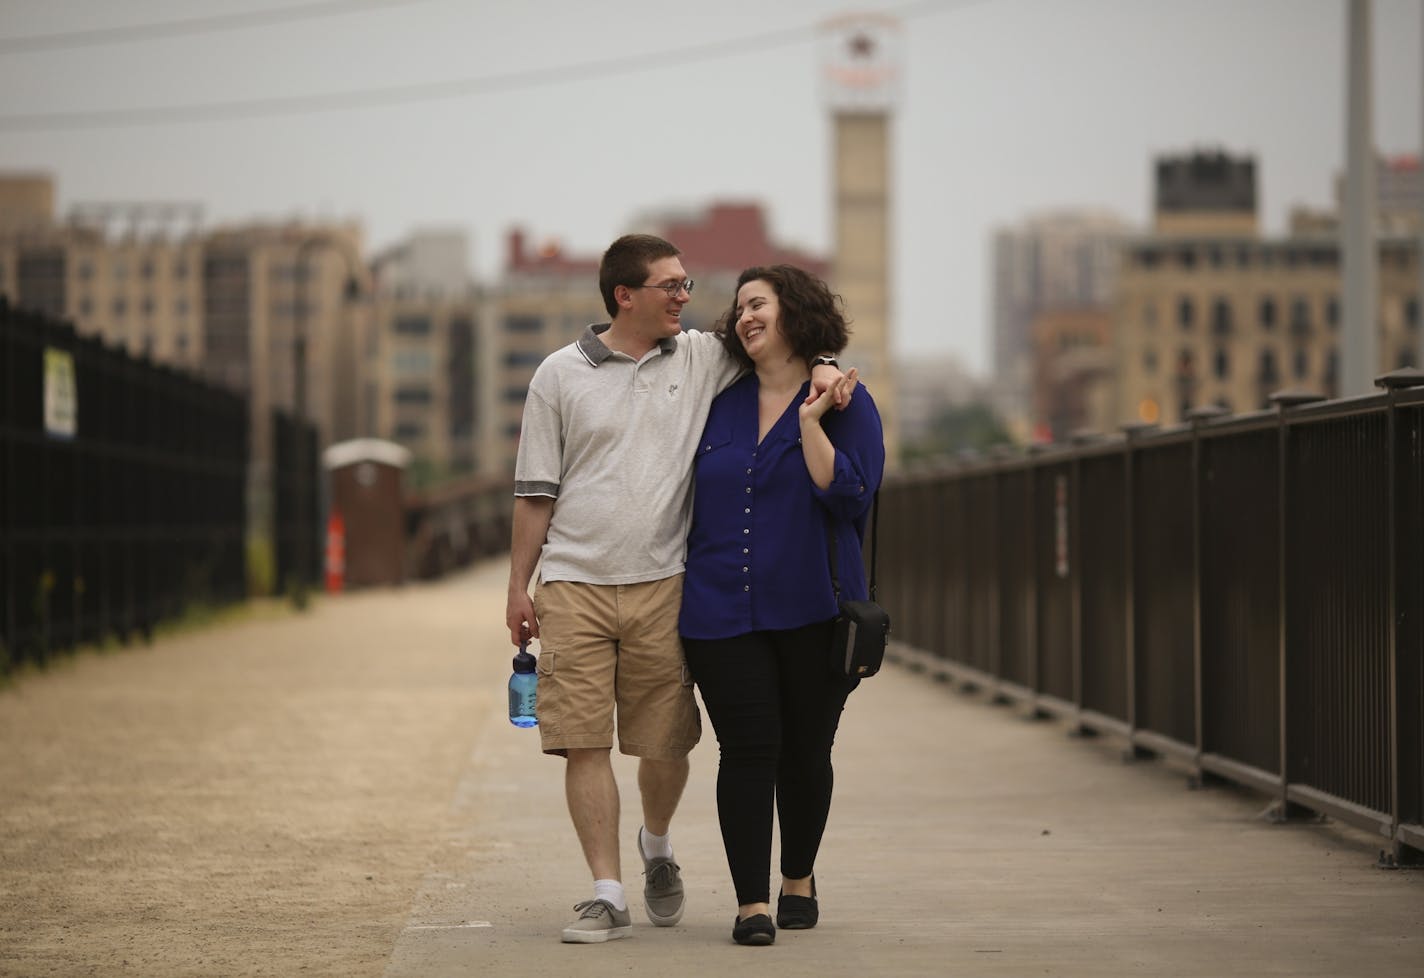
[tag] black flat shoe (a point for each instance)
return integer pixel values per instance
(756, 931)
(797, 912)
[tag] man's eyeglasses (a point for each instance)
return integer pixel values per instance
(671, 288)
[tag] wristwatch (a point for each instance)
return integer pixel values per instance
(826, 359)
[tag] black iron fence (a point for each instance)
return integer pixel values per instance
(121, 491)
(1245, 594)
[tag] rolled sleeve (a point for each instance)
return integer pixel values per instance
(860, 459)
(537, 467)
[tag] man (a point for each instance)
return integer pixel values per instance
(602, 485)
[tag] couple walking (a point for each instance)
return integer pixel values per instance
(682, 489)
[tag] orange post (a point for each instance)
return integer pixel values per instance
(335, 553)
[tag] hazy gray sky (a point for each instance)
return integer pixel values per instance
(1008, 107)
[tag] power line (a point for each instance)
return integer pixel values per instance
(505, 82)
(313, 10)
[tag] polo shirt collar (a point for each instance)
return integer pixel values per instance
(595, 351)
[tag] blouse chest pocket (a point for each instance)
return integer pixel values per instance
(713, 441)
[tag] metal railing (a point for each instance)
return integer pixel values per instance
(1245, 594)
(123, 500)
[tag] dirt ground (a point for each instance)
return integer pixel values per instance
(258, 798)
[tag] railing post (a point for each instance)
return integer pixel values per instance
(1075, 572)
(1284, 402)
(1031, 627)
(1198, 416)
(1393, 383)
(1131, 431)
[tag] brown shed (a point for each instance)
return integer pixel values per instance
(365, 478)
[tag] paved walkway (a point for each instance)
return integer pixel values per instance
(339, 793)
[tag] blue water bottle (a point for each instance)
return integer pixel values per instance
(522, 688)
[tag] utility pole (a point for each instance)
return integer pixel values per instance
(1359, 332)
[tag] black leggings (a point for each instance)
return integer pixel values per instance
(775, 706)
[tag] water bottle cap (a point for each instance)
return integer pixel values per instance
(523, 660)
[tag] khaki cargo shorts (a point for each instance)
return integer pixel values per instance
(603, 645)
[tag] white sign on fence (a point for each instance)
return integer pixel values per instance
(61, 394)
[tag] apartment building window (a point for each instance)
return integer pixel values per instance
(147, 269)
(1149, 315)
(1186, 312)
(1149, 361)
(180, 342)
(1221, 317)
(121, 270)
(1411, 313)
(1300, 316)
(180, 308)
(512, 431)
(410, 431)
(147, 305)
(1215, 256)
(1187, 257)
(120, 307)
(1302, 364)
(1221, 364)
(523, 358)
(1243, 257)
(515, 395)
(86, 306)
(1266, 313)
(413, 395)
(413, 325)
(1405, 359)
(86, 270)
(413, 362)
(1332, 312)
(1270, 375)
(1148, 257)
(180, 269)
(523, 324)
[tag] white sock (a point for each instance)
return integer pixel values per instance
(655, 846)
(612, 891)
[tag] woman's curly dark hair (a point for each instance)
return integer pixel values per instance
(812, 316)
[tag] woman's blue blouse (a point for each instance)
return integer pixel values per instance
(757, 553)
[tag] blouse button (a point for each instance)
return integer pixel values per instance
(744, 570)
(747, 510)
(745, 532)
(749, 488)
(746, 587)
(749, 471)
(745, 550)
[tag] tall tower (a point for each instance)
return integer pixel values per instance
(861, 74)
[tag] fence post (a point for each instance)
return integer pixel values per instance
(1285, 401)
(1393, 383)
(1131, 432)
(1198, 416)
(1075, 572)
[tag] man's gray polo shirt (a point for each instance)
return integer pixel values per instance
(612, 441)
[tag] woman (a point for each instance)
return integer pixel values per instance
(776, 473)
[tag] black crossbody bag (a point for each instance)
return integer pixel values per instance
(862, 628)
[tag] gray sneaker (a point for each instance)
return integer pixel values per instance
(662, 888)
(597, 922)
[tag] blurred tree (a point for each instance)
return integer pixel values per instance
(954, 429)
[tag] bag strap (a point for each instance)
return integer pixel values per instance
(831, 546)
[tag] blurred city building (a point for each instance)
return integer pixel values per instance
(128, 273)
(1072, 373)
(1210, 311)
(421, 354)
(1060, 261)
(861, 83)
